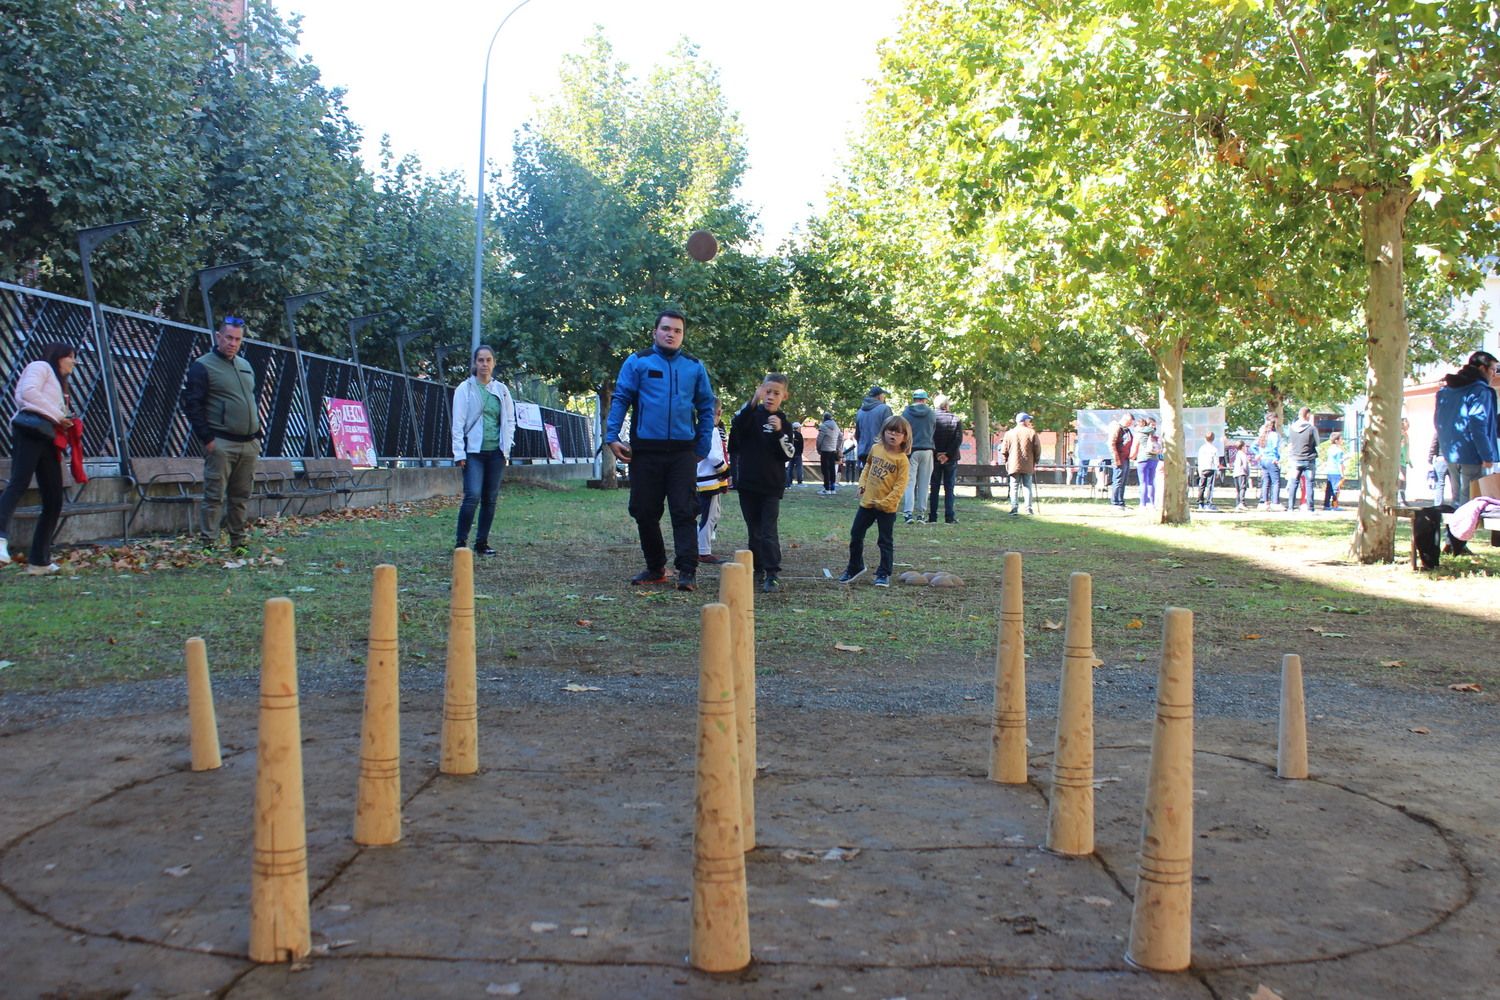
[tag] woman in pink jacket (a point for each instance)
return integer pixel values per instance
(42, 409)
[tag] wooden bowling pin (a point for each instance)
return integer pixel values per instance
(202, 720)
(1070, 815)
(1291, 742)
(460, 736)
(280, 928)
(377, 811)
(1008, 733)
(1161, 923)
(734, 593)
(721, 913)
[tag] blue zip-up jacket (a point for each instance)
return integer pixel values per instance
(1466, 419)
(673, 400)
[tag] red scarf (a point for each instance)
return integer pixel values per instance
(71, 440)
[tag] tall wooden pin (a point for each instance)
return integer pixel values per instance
(1291, 742)
(1070, 816)
(377, 811)
(460, 737)
(1008, 734)
(1161, 924)
(746, 558)
(721, 906)
(734, 593)
(280, 928)
(203, 722)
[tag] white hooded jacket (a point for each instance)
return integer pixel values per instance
(468, 417)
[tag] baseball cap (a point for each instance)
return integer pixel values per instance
(919, 394)
(1022, 417)
(875, 390)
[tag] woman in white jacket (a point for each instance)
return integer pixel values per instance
(484, 428)
(41, 411)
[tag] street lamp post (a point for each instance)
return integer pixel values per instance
(484, 96)
(402, 339)
(88, 240)
(293, 305)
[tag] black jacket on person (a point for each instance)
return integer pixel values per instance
(1302, 441)
(761, 453)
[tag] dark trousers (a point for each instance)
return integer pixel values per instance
(1118, 474)
(1206, 479)
(762, 510)
(863, 518)
(670, 477)
(1241, 485)
(829, 460)
(33, 454)
(483, 471)
(794, 468)
(944, 474)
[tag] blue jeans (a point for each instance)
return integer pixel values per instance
(1022, 482)
(1270, 481)
(944, 475)
(483, 471)
(1118, 473)
(1307, 476)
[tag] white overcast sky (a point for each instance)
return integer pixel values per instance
(796, 71)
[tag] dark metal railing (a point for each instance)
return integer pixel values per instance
(149, 357)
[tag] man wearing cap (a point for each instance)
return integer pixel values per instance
(923, 422)
(872, 415)
(223, 410)
(1020, 450)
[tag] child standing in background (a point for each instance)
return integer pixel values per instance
(1241, 472)
(881, 486)
(763, 441)
(713, 482)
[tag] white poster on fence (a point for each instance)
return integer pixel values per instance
(529, 416)
(1093, 429)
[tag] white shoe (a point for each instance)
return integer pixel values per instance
(4, 552)
(46, 570)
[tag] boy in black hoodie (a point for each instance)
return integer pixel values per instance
(762, 439)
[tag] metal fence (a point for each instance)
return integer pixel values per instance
(148, 361)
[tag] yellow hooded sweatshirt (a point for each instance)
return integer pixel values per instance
(884, 479)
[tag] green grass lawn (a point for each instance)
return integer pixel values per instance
(556, 595)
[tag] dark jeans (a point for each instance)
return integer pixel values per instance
(794, 468)
(1306, 477)
(1206, 480)
(1117, 476)
(829, 460)
(671, 477)
(483, 471)
(863, 518)
(34, 454)
(944, 475)
(761, 512)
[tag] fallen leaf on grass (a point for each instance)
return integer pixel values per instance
(7, 663)
(585, 622)
(1327, 634)
(1135, 623)
(1344, 611)
(1393, 663)
(178, 871)
(844, 647)
(1048, 625)
(841, 854)
(1419, 730)
(580, 688)
(1252, 635)
(1469, 688)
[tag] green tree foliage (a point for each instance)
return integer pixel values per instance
(607, 185)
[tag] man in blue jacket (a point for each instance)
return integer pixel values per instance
(1466, 422)
(671, 428)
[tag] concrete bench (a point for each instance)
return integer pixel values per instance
(338, 475)
(80, 499)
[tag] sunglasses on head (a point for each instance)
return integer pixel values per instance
(233, 321)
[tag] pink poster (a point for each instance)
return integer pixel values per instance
(554, 447)
(350, 431)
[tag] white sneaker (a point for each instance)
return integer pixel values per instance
(46, 570)
(4, 552)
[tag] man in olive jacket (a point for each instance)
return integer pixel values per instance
(222, 407)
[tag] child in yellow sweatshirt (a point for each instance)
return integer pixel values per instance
(881, 485)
